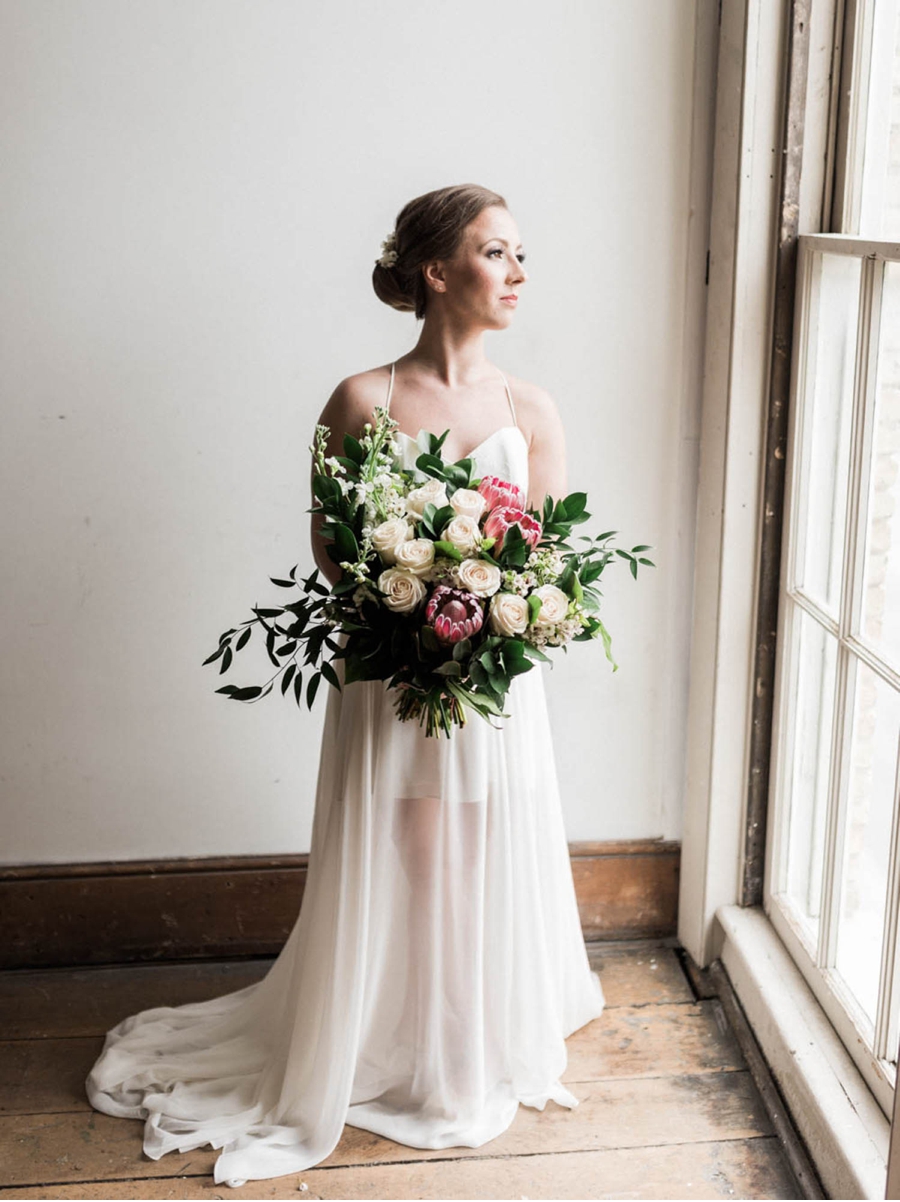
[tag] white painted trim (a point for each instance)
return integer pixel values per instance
(743, 242)
(837, 1116)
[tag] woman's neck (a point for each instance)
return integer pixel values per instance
(455, 357)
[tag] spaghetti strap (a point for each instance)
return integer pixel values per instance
(387, 403)
(509, 395)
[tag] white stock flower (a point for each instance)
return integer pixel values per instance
(468, 503)
(434, 491)
(554, 604)
(416, 555)
(479, 577)
(463, 533)
(403, 590)
(508, 614)
(387, 536)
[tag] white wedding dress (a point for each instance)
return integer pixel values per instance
(435, 969)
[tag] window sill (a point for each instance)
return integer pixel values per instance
(840, 1121)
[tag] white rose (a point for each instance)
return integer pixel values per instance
(479, 577)
(434, 491)
(463, 533)
(554, 604)
(416, 555)
(387, 536)
(508, 613)
(404, 590)
(468, 502)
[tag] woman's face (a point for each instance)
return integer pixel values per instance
(486, 273)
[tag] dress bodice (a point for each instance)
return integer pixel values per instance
(503, 453)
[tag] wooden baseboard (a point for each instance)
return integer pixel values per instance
(221, 907)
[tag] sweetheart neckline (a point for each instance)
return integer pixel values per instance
(483, 442)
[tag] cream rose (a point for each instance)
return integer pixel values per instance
(508, 614)
(463, 533)
(403, 590)
(387, 536)
(434, 491)
(554, 605)
(468, 503)
(479, 577)
(416, 555)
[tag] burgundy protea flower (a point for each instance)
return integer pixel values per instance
(497, 492)
(499, 521)
(454, 614)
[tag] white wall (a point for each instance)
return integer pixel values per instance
(195, 193)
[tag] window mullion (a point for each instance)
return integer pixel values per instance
(842, 727)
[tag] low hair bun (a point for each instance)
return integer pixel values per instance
(427, 228)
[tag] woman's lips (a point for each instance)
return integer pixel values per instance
(510, 300)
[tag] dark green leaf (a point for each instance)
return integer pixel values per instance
(330, 675)
(215, 655)
(226, 661)
(287, 678)
(311, 689)
(244, 639)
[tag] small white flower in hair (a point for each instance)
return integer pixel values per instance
(388, 251)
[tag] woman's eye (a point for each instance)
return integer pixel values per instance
(498, 251)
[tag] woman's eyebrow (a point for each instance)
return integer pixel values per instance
(503, 240)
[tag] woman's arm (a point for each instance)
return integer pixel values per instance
(546, 450)
(346, 411)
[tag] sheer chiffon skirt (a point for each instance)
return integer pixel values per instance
(435, 969)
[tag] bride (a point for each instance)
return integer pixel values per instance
(437, 964)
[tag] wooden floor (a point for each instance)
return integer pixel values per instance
(667, 1108)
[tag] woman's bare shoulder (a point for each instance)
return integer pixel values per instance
(353, 401)
(536, 410)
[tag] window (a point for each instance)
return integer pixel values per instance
(834, 876)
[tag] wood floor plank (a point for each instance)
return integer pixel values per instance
(55, 1003)
(51, 1003)
(611, 1114)
(753, 1168)
(47, 1075)
(642, 976)
(653, 1041)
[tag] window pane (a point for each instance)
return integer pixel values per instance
(880, 215)
(828, 406)
(881, 591)
(808, 789)
(867, 835)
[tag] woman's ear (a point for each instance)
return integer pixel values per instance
(434, 276)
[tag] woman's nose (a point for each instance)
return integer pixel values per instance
(519, 273)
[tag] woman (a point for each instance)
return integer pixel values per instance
(437, 964)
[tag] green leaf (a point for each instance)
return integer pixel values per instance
(534, 608)
(643, 547)
(448, 549)
(244, 639)
(607, 644)
(462, 649)
(478, 674)
(648, 562)
(311, 689)
(215, 655)
(353, 450)
(287, 678)
(226, 661)
(634, 568)
(283, 583)
(288, 648)
(346, 544)
(450, 668)
(298, 686)
(330, 675)
(575, 503)
(536, 653)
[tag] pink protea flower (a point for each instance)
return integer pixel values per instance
(497, 492)
(454, 614)
(499, 521)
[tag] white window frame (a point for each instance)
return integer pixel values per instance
(875, 1064)
(843, 1126)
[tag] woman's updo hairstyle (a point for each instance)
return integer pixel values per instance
(427, 228)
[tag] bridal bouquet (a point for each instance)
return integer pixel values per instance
(449, 585)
